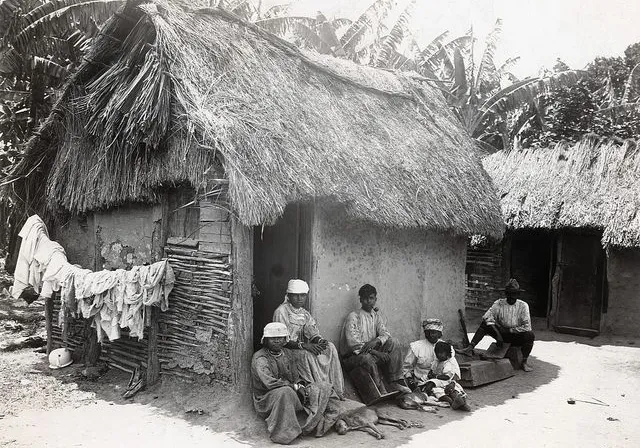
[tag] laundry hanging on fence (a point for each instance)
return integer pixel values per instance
(113, 299)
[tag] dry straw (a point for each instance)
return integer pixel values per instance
(591, 184)
(167, 93)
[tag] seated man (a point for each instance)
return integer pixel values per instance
(365, 343)
(507, 320)
(279, 395)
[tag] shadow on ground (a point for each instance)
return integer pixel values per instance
(222, 410)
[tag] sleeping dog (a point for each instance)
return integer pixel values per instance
(365, 418)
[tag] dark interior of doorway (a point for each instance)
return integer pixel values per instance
(532, 261)
(280, 252)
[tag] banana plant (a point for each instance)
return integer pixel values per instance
(490, 113)
(344, 38)
(41, 41)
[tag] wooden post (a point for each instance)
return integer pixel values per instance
(241, 337)
(48, 316)
(159, 239)
(153, 364)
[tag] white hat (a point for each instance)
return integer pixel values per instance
(275, 330)
(296, 286)
(59, 358)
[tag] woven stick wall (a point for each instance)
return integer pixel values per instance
(124, 354)
(484, 276)
(194, 331)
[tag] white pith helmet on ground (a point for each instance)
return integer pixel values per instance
(59, 358)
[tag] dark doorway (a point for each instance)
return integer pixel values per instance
(531, 261)
(281, 252)
(580, 279)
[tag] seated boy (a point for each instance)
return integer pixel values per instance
(443, 378)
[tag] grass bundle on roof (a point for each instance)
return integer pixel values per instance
(591, 184)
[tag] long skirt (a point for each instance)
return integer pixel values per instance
(325, 368)
(287, 417)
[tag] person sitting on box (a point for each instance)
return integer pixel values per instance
(508, 320)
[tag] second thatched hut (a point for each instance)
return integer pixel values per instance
(573, 235)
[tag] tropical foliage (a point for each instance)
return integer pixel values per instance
(605, 102)
(490, 102)
(369, 39)
(40, 42)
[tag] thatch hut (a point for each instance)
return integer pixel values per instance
(573, 238)
(195, 135)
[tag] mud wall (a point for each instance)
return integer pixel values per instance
(623, 276)
(77, 237)
(124, 237)
(417, 274)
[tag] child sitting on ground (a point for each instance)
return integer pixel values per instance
(443, 378)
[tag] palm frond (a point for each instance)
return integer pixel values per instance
(327, 34)
(522, 92)
(48, 67)
(507, 65)
(487, 72)
(370, 21)
(632, 85)
(281, 25)
(9, 7)
(13, 95)
(276, 11)
(391, 42)
(11, 61)
(57, 16)
(460, 85)
(432, 48)
(341, 22)
(443, 58)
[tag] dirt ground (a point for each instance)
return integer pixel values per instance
(43, 407)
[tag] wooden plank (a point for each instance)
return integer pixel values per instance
(241, 339)
(153, 369)
(48, 316)
(182, 242)
(476, 373)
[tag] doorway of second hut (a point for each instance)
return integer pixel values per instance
(281, 252)
(531, 261)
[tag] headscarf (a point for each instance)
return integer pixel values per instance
(432, 324)
(296, 286)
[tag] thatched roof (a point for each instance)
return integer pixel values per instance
(591, 184)
(167, 95)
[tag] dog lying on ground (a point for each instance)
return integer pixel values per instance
(365, 418)
(421, 401)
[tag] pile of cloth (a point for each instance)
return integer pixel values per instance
(113, 299)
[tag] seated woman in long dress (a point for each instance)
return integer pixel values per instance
(289, 406)
(316, 358)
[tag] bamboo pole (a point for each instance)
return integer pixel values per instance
(48, 316)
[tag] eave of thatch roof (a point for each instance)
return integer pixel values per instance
(591, 184)
(167, 93)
